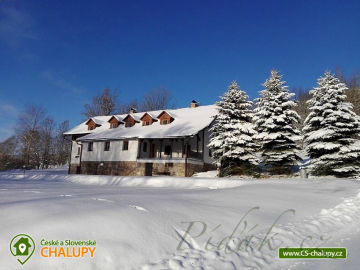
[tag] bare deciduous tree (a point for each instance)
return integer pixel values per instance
(28, 131)
(353, 83)
(353, 96)
(40, 145)
(106, 103)
(302, 96)
(125, 107)
(103, 104)
(47, 145)
(62, 146)
(9, 154)
(157, 99)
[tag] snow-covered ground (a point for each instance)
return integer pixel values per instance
(138, 222)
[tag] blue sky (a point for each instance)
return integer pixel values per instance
(61, 53)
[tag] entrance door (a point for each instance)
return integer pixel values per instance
(152, 150)
(148, 169)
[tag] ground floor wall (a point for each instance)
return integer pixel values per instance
(133, 168)
(74, 168)
(122, 168)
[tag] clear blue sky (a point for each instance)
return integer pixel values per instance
(61, 53)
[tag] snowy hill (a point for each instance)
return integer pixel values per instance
(137, 221)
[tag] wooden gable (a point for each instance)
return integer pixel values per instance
(147, 119)
(91, 124)
(129, 121)
(165, 118)
(114, 122)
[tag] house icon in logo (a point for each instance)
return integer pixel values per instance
(22, 247)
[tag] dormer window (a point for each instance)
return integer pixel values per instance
(165, 118)
(130, 120)
(91, 123)
(114, 122)
(148, 119)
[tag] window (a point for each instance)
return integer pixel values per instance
(210, 154)
(107, 146)
(145, 147)
(113, 125)
(125, 145)
(128, 124)
(167, 150)
(91, 127)
(147, 123)
(79, 149)
(164, 122)
(90, 146)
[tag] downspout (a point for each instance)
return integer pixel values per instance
(183, 147)
(203, 146)
(70, 151)
(186, 156)
(139, 148)
(197, 143)
(81, 150)
(161, 146)
(172, 143)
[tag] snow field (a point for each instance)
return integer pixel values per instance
(138, 222)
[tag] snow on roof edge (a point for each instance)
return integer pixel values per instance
(188, 122)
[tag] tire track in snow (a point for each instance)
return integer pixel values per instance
(102, 200)
(138, 208)
(313, 231)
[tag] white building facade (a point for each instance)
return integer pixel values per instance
(165, 142)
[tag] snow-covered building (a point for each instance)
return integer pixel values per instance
(164, 142)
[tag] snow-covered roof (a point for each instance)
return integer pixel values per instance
(83, 127)
(187, 122)
(153, 116)
(135, 116)
(166, 111)
(96, 121)
(116, 117)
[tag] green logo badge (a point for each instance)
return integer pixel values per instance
(22, 246)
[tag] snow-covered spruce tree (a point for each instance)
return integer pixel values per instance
(332, 131)
(275, 121)
(231, 140)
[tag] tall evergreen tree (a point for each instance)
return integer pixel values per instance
(275, 122)
(331, 131)
(231, 138)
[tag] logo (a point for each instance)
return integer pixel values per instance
(22, 246)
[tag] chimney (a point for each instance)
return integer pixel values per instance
(132, 110)
(194, 104)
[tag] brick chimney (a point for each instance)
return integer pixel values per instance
(132, 110)
(194, 104)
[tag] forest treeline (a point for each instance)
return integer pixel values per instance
(38, 141)
(319, 132)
